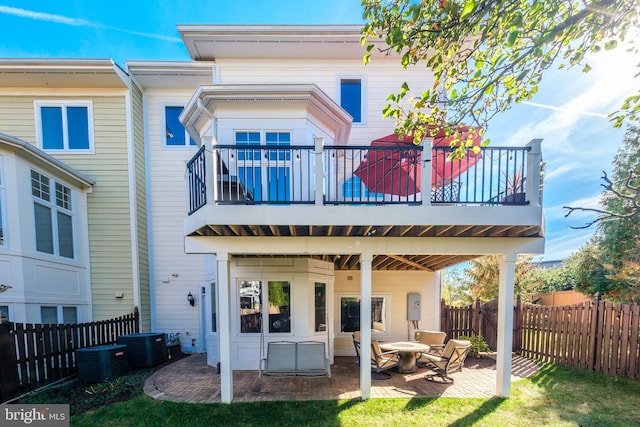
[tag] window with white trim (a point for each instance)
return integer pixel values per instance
(58, 314)
(252, 314)
(4, 312)
(175, 133)
(65, 125)
(352, 98)
(54, 217)
(269, 180)
(350, 313)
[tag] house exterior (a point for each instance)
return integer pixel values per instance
(80, 117)
(238, 198)
(282, 238)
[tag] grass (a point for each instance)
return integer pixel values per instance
(555, 396)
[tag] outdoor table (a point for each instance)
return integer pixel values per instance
(407, 352)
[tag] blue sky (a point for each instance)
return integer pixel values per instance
(569, 112)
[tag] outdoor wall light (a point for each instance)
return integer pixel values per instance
(191, 299)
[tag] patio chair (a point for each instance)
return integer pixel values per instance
(356, 344)
(451, 359)
(380, 361)
(434, 339)
(383, 360)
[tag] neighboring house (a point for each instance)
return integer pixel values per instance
(286, 236)
(82, 114)
(44, 239)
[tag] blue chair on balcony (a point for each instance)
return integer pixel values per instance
(355, 190)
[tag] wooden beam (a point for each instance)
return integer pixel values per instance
(411, 263)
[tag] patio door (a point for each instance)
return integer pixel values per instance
(266, 173)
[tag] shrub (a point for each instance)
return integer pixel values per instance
(478, 345)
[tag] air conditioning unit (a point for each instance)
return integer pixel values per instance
(144, 349)
(101, 363)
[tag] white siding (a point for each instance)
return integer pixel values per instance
(382, 78)
(168, 201)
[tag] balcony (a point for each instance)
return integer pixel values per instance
(338, 191)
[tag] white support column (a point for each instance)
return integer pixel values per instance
(505, 324)
(425, 177)
(211, 170)
(534, 180)
(224, 327)
(318, 144)
(365, 325)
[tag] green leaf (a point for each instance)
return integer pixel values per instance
(366, 58)
(513, 36)
(468, 9)
(610, 45)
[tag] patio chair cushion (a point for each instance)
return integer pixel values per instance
(452, 359)
(434, 339)
(383, 360)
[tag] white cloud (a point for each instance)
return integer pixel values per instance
(59, 19)
(566, 244)
(564, 110)
(557, 212)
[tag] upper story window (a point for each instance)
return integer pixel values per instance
(268, 178)
(54, 219)
(352, 98)
(175, 134)
(65, 126)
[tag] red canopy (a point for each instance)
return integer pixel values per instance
(397, 171)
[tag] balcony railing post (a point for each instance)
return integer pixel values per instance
(425, 178)
(534, 180)
(210, 169)
(318, 144)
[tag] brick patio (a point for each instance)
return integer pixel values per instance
(192, 380)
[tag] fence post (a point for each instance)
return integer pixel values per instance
(136, 319)
(594, 340)
(9, 380)
(477, 318)
(443, 317)
(517, 326)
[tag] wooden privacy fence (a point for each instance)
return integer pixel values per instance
(597, 335)
(35, 355)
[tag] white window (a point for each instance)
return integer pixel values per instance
(54, 217)
(175, 134)
(277, 316)
(4, 313)
(65, 126)
(350, 314)
(269, 180)
(352, 95)
(320, 304)
(58, 314)
(3, 235)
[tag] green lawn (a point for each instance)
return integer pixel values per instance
(555, 396)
